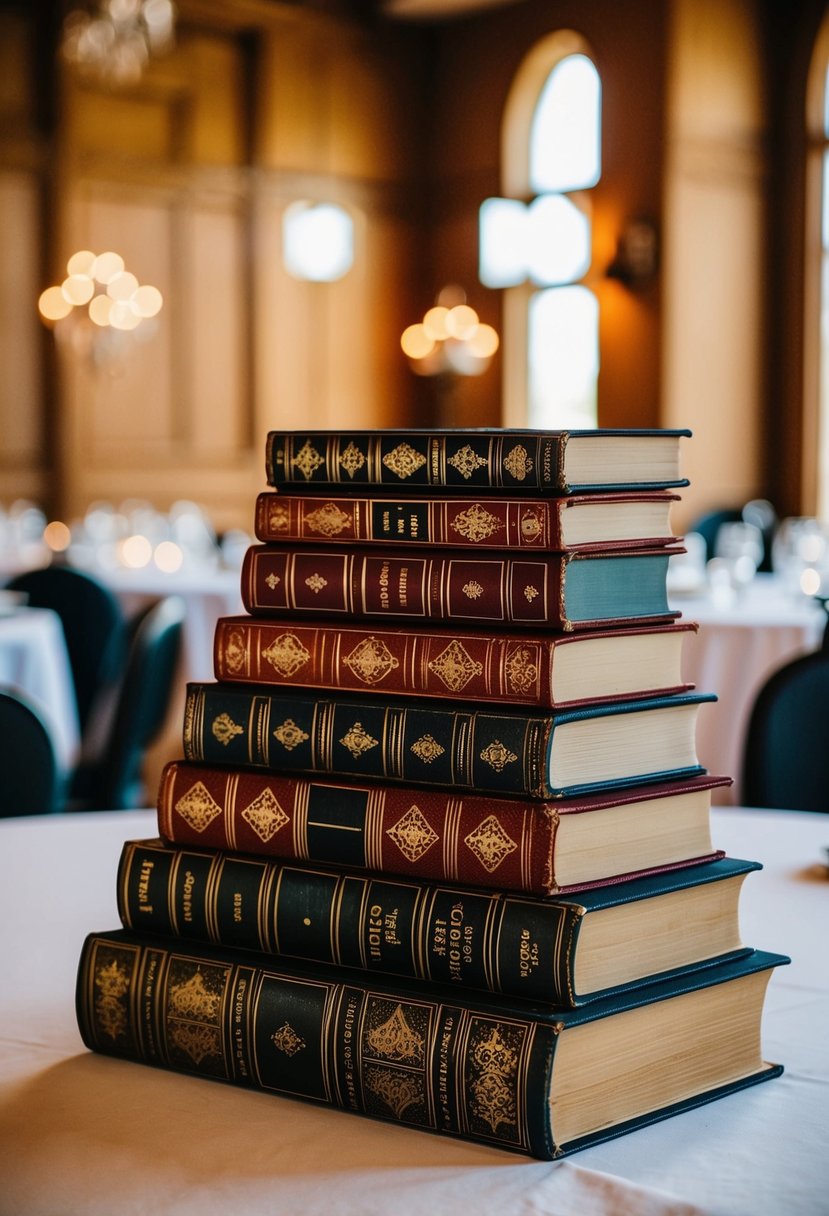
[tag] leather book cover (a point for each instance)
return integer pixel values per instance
(459, 523)
(513, 668)
(579, 589)
(444, 835)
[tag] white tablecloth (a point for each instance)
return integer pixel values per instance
(34, 660)
(81, 1133)
(738, 646)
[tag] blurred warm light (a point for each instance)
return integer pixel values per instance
(450, 338)
(53, 304)
(168, 556)
(113, 40)
(57, 536)
(417, 342)
(124, 304)
(317, 241)
(135, 551)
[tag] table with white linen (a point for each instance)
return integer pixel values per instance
(34, 661)
(738, 646)
(84, 1133)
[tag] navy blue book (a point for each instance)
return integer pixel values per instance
(510, 751)
(565, 950)
(509, 1073)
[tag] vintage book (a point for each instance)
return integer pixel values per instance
(542, 524)
(580, 589)
(494, 1069)
(563, 951)
(539, 848)
(509, 751)
(518, 461)
(550, 670)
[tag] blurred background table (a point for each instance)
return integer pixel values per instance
(34, 660)
(740, 642)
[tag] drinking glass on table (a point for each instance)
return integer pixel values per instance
(738, 551)
(800, 554)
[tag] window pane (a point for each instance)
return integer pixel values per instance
(558, 241)
(502, 242)
(565, 143)
(563, 358)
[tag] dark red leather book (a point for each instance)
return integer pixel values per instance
(538, 524)
(579, 589)
(551, 670)
(504, 843)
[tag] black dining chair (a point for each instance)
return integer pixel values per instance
(93, 625)
(30, 778)
(786, 752)
(113, 779)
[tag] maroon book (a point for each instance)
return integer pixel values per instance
(550, 671)
(503, 843)
(539, 524)
(580, 589)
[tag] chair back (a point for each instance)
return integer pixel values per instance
(30, 780)
(93, 625)
(786, 756)
(142, 705)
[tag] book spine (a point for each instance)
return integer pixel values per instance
(394, 1055)
(417, 743)
(433, 834)
(459, 460)
(359, 583)
(454, 523)
(453, 935)
(493, 667)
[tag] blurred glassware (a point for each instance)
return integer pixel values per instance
(741, 546)
(233, 546)
(686, 571)
(800, 555)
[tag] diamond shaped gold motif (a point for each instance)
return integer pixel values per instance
(490, 843)
(473, 590)
(278, 517)
(224, 729)
(476, 523)
(413, 834)
(497, 756)
(316, 583)
(531, 592)
(273, 580)
(286, 1040)
(356, 740)
(265, 815)
(403, 460)
(286, 654)
(307, 460)
(234, 651)
(466, 461)
(290, 735)
(328, 520)
(370, 661)
(198, 808)
(352, 459)
(455, 666)
(427, 749)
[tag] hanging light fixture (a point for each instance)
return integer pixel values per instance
(112, 41)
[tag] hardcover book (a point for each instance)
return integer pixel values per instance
(541, 524)
(513, 751)
(505, 843)
(563, 951)
(518, 461)
(580, 589)
(545, 670)
(492, 1069)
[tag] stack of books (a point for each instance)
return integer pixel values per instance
(438, 850)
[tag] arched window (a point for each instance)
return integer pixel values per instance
(816, 353)
(540, 250)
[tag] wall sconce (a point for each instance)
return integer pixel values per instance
(317, 241)
(450, 340)
(113, 40)
(636, 259)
